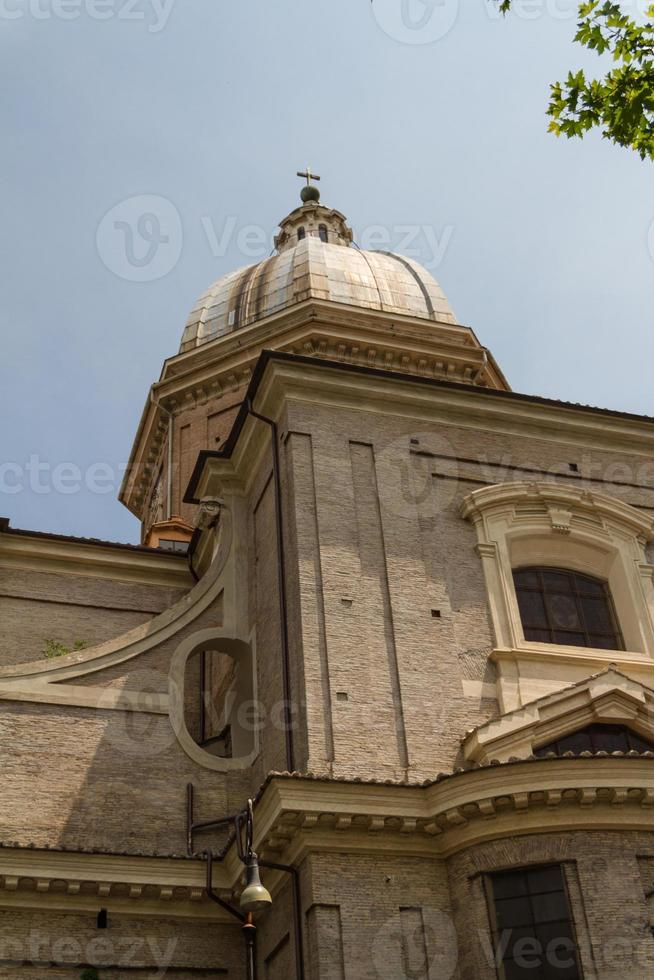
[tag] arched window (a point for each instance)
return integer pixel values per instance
(551, 525)
(213, 710)
(597, 738)
(322, 231)
(301, 233)
(562, 606)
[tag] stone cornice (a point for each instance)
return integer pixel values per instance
(338, 320)
(469, 406)
(298, 815)
(286, 378)
(75, 881)
(37, 675)
(608, 697)
(320, 329)
(559, 501)
(535, 796)
(93, 559)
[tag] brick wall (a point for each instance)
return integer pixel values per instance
(40, 606)
(606, 890)
(35, 945)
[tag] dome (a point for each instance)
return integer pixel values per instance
(315, 260)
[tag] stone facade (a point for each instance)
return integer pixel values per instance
(406, 478)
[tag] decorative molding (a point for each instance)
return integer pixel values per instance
(521, 524)
(142, 886)
(208, 512)
(218, 640)
(49, 681)
(296, 816)
(412, 345)
(557, 501)
(100, 698)
(608, 697)
(93, 559)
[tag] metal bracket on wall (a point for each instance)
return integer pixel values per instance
(240, 821)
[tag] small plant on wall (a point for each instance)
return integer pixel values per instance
(53, 648)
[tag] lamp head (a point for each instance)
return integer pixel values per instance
(254, 897)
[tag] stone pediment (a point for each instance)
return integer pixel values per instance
(609, 697)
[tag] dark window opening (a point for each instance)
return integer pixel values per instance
(167, 544)
(322, 231)
(301, 233)
(220, 714)
(561, 606)
(210, 698)
(598, 738)
(533, 932)
(217, 673)
(220, 744)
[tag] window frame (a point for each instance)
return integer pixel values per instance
(609, 697)
(593, 730)
(604, 592)
(496, 932)
(173, 546)
(520, 524)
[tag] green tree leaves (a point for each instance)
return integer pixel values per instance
(620, 103)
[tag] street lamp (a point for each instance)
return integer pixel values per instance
(254, 897)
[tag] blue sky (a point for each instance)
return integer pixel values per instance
(425, 120)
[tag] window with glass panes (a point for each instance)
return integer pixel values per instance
(598, 738)
(561, 606)
(533, 932)
(168, 544)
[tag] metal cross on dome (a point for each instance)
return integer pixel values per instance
(308, 175)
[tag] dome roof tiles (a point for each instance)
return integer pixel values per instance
(316, 269)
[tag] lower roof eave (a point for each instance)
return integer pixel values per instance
(295, 813)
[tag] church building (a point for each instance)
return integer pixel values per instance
(374, 697)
